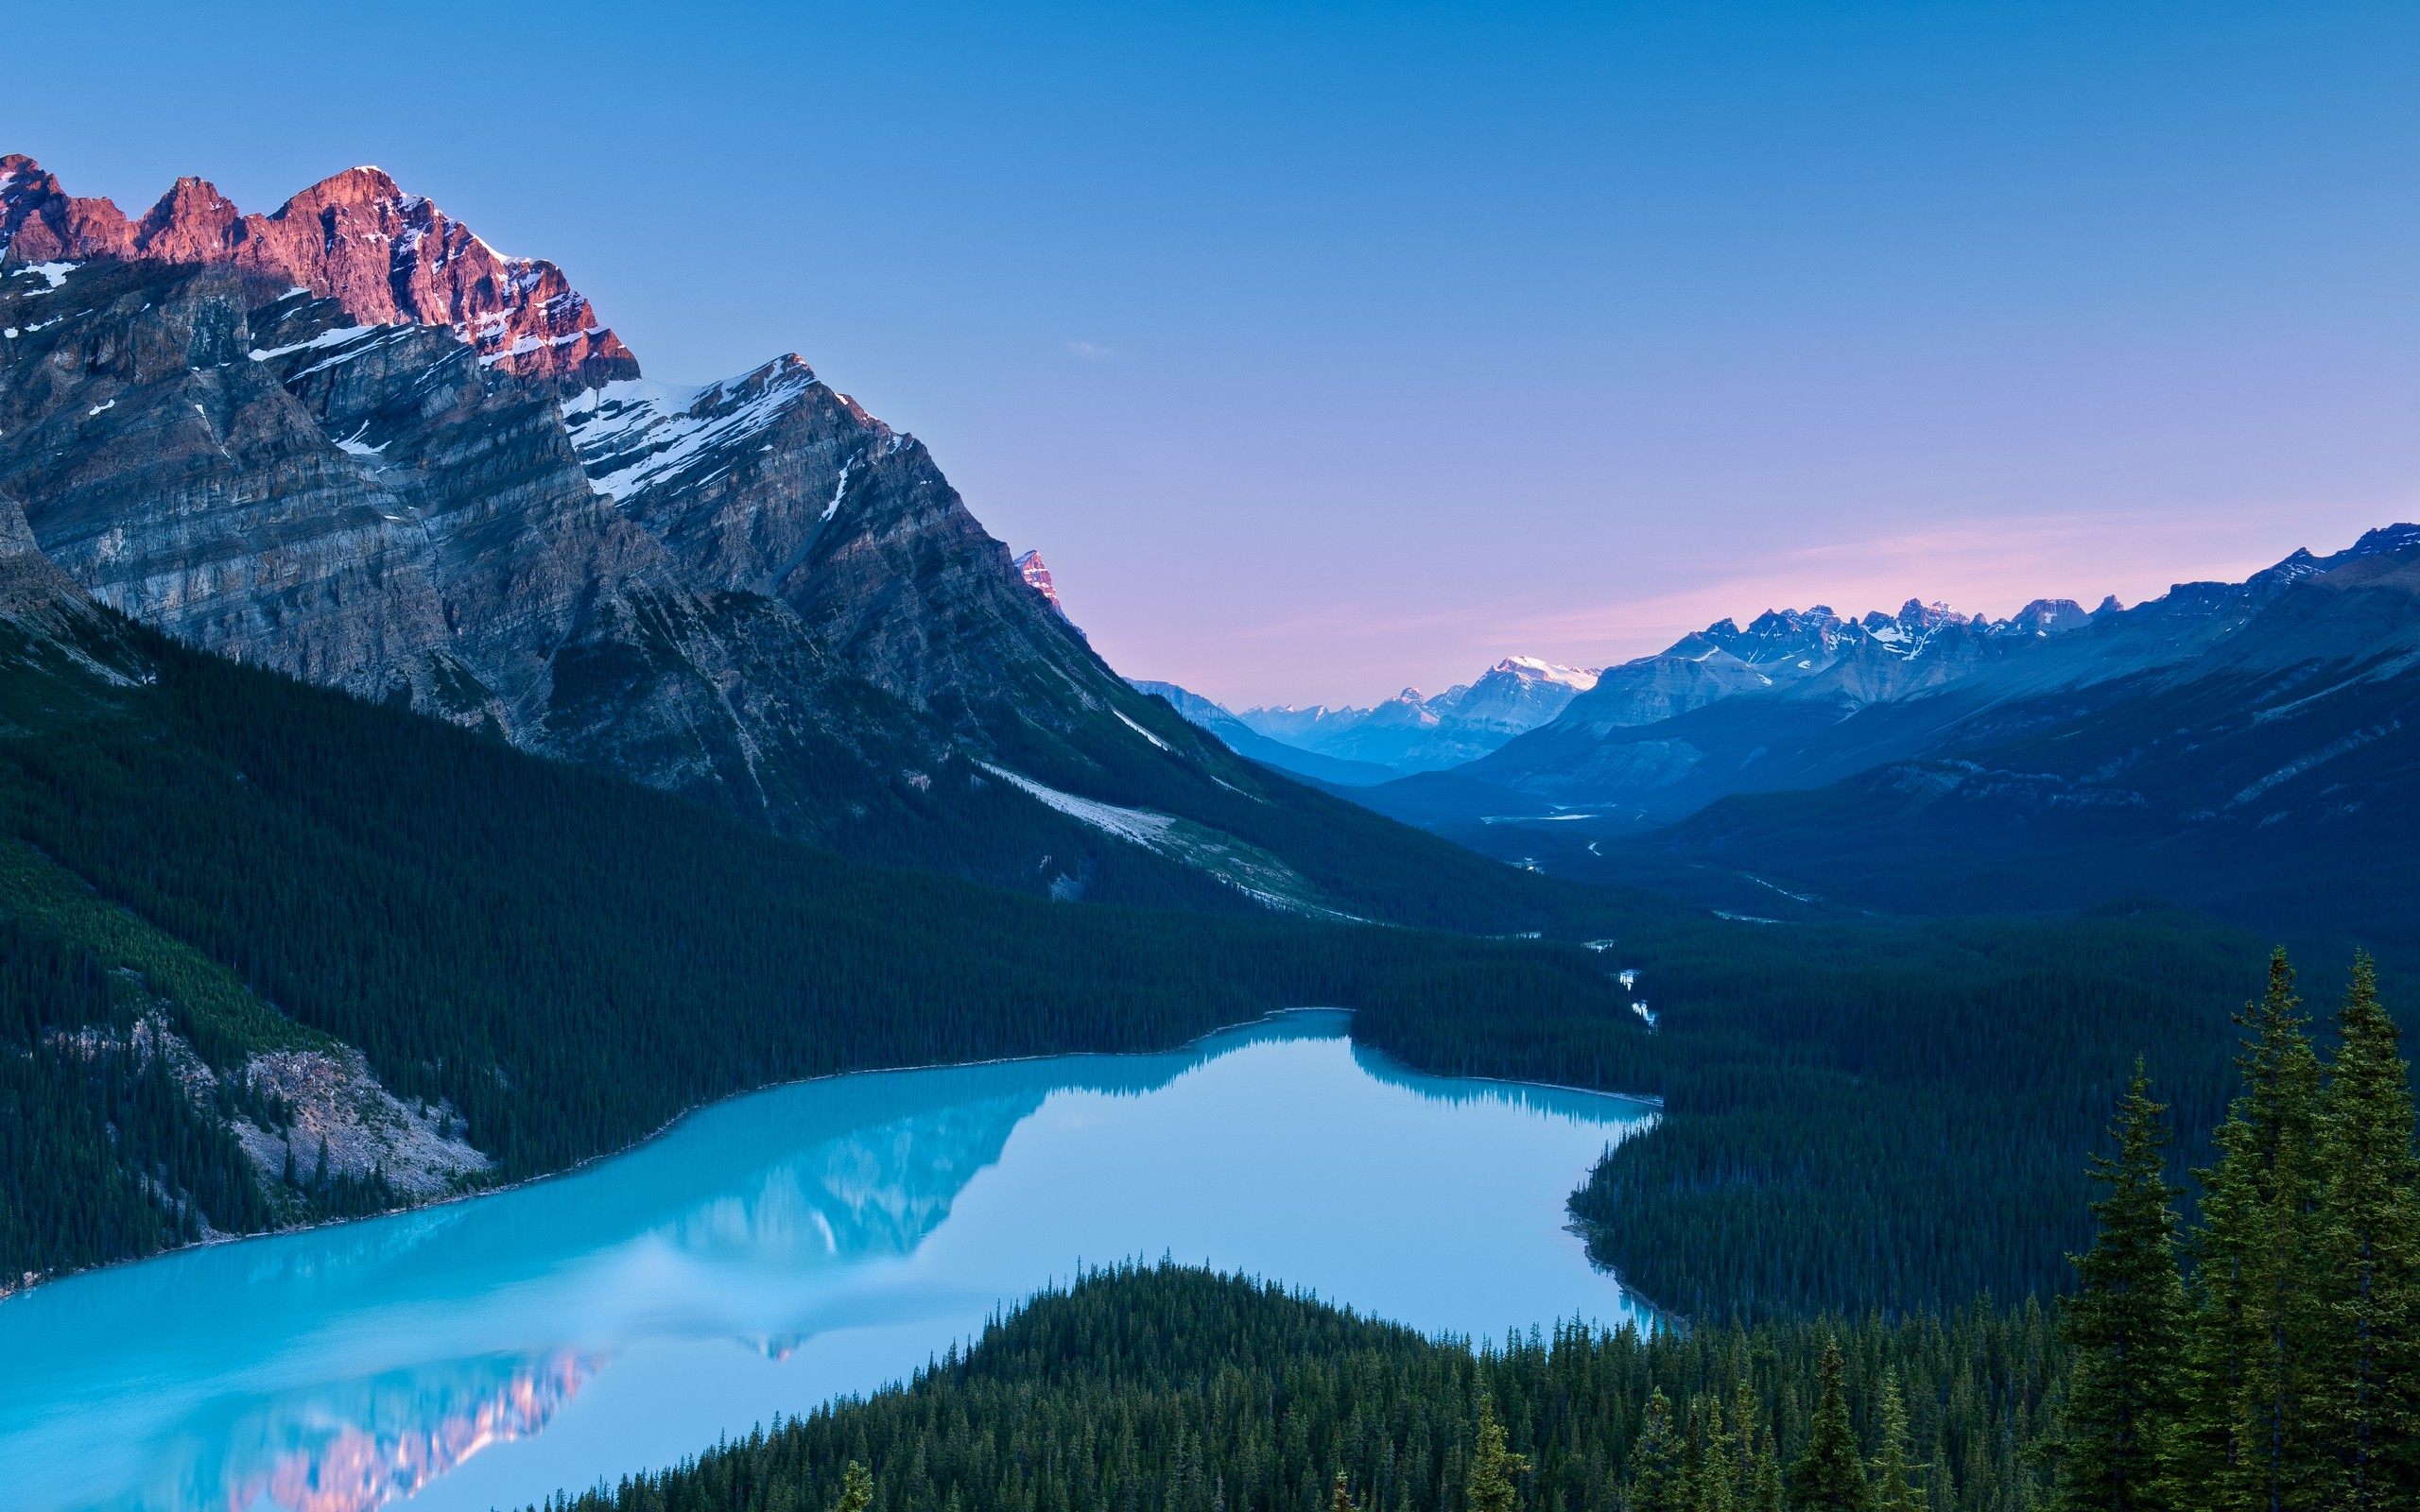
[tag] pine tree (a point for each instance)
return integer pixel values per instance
(1768, 1496)
(1659, 1481)
(1489, 1487)
(2126, 1324)
(1830, 1476)
(2371, 1248)
(2246, 1440)
(1693, 1459)
(857, 1489)
(1339, 1499)
(1893, 1470)
(1745, 1460)
(1714, 1481)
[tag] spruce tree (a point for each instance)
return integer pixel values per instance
(1339, 1499)
(1489, 1487)
(1658, 1480)
(1745, 1459)
(2371, 1257)
(1894, 1488)
(1693, 1458)
(857, 1489)
(2126, 1325)
(1713, 1476)
(1830, 1476)
(2247, 1439)
(1768, 1496)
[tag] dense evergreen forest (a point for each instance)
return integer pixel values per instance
(1175, 1390)
(1856, 1116)
(2265, 1357)
(1903, 1107)
(563, 959)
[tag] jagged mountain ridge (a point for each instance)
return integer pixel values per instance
(1801, 698)
(2260, 759)
(388, 257)
(750, 593)
(2244, 748)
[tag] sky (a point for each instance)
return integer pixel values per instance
(1325, 349)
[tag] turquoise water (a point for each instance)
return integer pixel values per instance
(773, 1252)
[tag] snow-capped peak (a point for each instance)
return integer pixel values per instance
(1537, 669)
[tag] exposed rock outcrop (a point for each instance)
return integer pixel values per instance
(335, 1103)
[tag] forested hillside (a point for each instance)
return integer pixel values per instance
(543, 961)
(1173, 1389)
(506, 939)
(1858, 1116)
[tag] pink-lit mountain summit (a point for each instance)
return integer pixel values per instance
(388, 257)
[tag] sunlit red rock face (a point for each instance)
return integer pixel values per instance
(388, 257)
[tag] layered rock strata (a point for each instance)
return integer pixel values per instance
(312, 451)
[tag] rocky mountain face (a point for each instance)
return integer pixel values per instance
(1036, 574)
(1412, 732)
(348, 441)
(385, 257)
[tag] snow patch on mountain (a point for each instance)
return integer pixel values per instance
(1247, 868)
(634, 433)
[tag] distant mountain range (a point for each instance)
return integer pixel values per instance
(2249, 748)
(1404, 734)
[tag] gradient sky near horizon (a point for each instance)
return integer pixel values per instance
(1327, 348)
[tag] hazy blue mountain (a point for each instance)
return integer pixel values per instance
(1245, 740)
(2247, 748)
(1412, 732)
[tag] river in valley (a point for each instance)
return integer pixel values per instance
(773, 1252)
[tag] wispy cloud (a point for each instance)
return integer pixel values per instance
(1090, 350)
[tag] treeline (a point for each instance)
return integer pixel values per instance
(1855, 1117)
(1173, 1390)
(566, 959)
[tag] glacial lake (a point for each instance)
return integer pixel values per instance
(771, 1252)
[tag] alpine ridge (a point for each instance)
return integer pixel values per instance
(384, 256)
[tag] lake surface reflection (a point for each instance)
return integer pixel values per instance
(776, 1251)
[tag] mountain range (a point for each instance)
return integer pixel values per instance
(2225, 745)
(350, 441)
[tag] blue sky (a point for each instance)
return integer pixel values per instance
(1327, 349)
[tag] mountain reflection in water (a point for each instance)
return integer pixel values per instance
(771, 1252)
(399, 1436)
